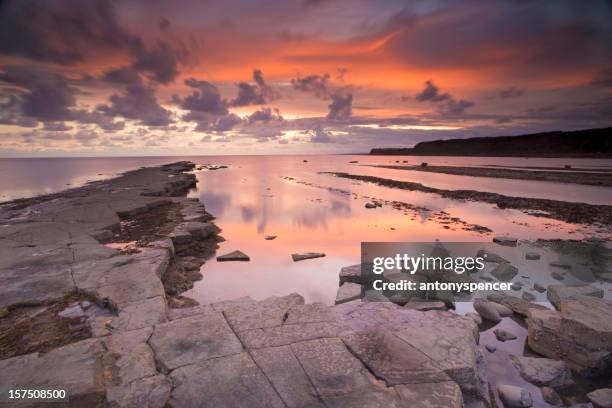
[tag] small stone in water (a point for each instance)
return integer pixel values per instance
(532, 256)
(503, 335)
(490, 348)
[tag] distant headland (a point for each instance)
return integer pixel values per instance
(579, 143)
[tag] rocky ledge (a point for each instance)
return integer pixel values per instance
(90, 302)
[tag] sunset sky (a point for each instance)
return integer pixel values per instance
(153, 77)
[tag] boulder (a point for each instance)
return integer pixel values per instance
(514, 397)
(518, 305)
(486, 310)
(350, 274)
(601, 398)
(503, 311)
(580, 333)
(504, 272)
(543, 371)
(551, 397)
(558, 293)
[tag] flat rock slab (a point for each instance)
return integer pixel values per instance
(234, 256)
(348, 292)
(440, 394)
(226, 382)
(267, 313)
(506, 241)
(77, 368)
(543, 371)
(504, 272)
(150, 392)
(192, 339)
(306, 255)
(558, 293)
(350, 274)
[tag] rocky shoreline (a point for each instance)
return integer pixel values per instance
(91, 282)
(576, 213)
(561, 175)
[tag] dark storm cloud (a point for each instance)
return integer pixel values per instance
(341, 106)
(122, 75)
(512, 92)
(259, 93)
(265, 115)
(227, 122)
(45, 96)
(138, 103)
(160, 62)
(445, 103)
(317, 84)
(62, 31)
(205, 98)
(524, 37)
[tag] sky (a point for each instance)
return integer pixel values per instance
(156, 77)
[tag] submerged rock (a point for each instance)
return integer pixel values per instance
(504, 272)
(539, 288)
(532, 256)
(543, 371)
(306, 255)
(234, 256)
(514, 397)
(557, 275)
(486, 310)
(503, 335)
(270, 237)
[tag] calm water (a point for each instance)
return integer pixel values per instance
(312, 212)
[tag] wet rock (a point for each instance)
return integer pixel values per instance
(507, 241)
(503, 335)
(306, 255)
(503, 311)
(370, 205)
(518, 305)
(513, 396)
(543, 371)
(487, 310)
(579, 333)
(348, 292)
(557, 275)
(516, 286)
(532, 256)
(530, 297)
(551, 397)
(199, 230)
(539, 288)
(181, 237)
(270, 237)
(350, 274)
(233, 256)
(504, 272)
(601, 398)
(192, 339)
(558, 293)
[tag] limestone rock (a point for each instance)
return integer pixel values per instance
(350, 274)
(513, 396)
(543, 371)
(347, 292)
(601, 398)
(558, 293)
(234, 256)
(503, 311)
(445, 394)
(306, 255)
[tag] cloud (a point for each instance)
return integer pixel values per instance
(320, 135)
(431, 93)
(56, 127)
(446, 104)
(205, 98)
(63, 31)
(138, 103)
(259, 93)
(160, 62)
(341, 106)
(122, 75)
(512, 92)
(265, 115)
(316, 84)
